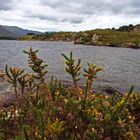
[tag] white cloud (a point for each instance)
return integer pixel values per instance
(72, 15)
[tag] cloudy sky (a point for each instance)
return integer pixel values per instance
(69, 15)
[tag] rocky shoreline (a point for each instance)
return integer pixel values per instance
(95, 40)
(125, 37)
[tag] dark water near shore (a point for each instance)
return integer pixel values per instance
(121, 65)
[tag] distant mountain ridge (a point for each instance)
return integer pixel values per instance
(6, 33)
(14, 31)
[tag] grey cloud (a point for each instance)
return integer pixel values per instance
(71, 20)
(135, 7)
(57, 18)
(70, 15)
(76, 21)
(135, 3)
(41, 17)
(78, 11)
(5, 5)
(90, 7)
(53, 3)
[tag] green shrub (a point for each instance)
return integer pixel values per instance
(53, 111)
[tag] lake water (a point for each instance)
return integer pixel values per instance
(121, 65)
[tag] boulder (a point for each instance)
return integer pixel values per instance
(78, 41)
(95, 38)
(130, 45)
(109, 90)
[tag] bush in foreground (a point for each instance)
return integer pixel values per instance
(52, 111)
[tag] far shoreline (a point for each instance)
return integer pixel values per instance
(109, 46)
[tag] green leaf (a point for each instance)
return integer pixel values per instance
(65, 57)
(68, 70)
(7, 73)
(71, 55)
(10, 81)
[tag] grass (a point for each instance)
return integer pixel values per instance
(52, 36)
(109, 37)
(51, 111)
(105, 37)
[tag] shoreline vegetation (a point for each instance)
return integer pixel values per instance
(125, 36)
(42, 110)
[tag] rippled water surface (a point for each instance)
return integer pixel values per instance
(121, 65)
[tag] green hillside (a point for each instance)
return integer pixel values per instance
(109, 37)
(124, 36)
(50, 36)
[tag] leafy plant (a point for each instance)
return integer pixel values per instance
(36, 64)
(72, 68)
(56, 111)
(13, 75)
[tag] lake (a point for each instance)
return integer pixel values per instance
(121, 65)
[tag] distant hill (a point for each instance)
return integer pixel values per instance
(19, 31)
(14, 31)
(6, 33)
(125, 36)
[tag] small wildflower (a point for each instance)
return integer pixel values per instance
(36, 131)
(93, 130)
(121, 123)
(131, 118)
(122, 101)
(65, 100)
(65, 62)
(30, 76)
(57, 93)
(93, 95)
(106, 97)
(80, 90)
(106, 104)
(15, 69)
(99, 117)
